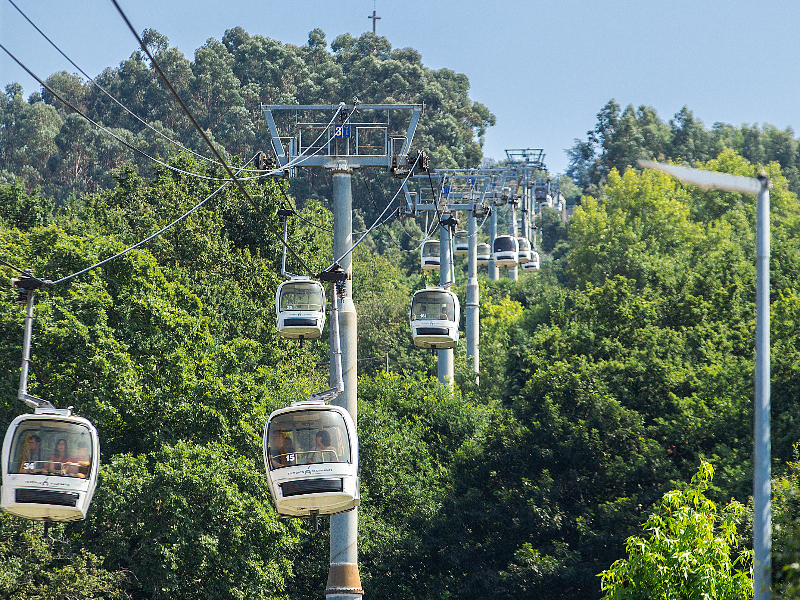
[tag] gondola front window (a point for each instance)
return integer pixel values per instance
(433, 305)
(306, 437)
(431, 249)
(505, 244)
(302, 296)
(54, 447)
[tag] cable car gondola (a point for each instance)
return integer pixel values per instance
(483, 253)
(300, 308)
(311, 457)
(505, 251)
(50, 466)
(51, 457)
(524, 245)
(435, 314)
(311, 448)
(429, 254)
(533, 265)
(461, 243)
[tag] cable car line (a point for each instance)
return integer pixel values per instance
(131, 147)
(188, 113)
(375, 224)
(150, 237)
(125, 108)
(27, 273)
(107, 93)
(369, 189)
(74, 108)
(297, 161)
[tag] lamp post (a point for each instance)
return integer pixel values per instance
(762, 503)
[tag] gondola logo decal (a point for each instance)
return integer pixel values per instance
(308, 471)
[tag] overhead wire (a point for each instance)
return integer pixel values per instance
(106, 92)
(221, 161)
(128, 145)
(150, 237)
(298, 160)
(130, 112)
(22, 272)
(188, 113)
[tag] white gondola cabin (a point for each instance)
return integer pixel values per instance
(50, 465)
(429, 255)
(461, 243)
(300, 308)
(484, 254)
(533, 265)
(435, 314)
(524, 250)
(505, 251)
(311, 457)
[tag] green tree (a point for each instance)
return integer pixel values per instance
(691, 551)
(37, 567)
(188, 521)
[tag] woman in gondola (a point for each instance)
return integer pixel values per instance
(59, 457)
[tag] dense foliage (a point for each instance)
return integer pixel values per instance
(607, 378)
(690, 552)
(45, 144)
(621, 136)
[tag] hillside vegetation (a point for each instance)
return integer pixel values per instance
(607, 379)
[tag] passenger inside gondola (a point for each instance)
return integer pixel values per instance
(29, 454)
(59, 457)
(302, 296)
(28, 451)
(281, 450)
(78, 465)
(325, 451)
(430, 306)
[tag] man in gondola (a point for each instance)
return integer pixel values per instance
(325, 452)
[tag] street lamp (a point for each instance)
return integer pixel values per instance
(762, 507)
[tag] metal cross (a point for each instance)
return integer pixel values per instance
(374, 20)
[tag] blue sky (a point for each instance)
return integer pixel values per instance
(543, 68)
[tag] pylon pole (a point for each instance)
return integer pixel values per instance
(445, 357)
(473, 304)
(512, 229)
(344, 581)
(494, 272)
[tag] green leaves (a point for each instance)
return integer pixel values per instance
(188, 516)
(45, 568)
(691, 551)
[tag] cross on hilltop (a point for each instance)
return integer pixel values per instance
(374, 18)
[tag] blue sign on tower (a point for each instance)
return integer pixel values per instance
(341, 131)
